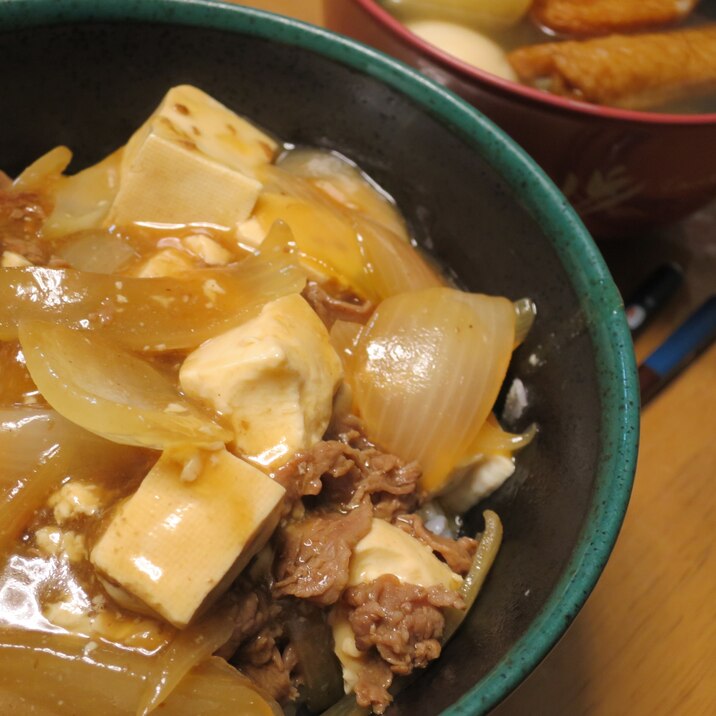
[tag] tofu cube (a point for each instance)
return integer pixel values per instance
(274, 377)
(171, 183)
(177, 545)
(386, 549)
(193, 161)
(165, 262)
(211, 252)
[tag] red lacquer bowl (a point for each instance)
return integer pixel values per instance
(623, 171)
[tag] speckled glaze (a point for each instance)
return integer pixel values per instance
(85, 74)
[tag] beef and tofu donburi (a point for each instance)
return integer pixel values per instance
(241, 416)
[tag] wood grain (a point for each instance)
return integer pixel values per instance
(306, 10)
(645, 643)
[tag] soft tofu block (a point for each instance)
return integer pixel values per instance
(177, 545)
(386, 549)
(274, 376)
(186, 113)
(211, 252)
(193, 161)
(174, 183)
(165, 262)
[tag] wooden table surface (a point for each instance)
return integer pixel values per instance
(645, 643)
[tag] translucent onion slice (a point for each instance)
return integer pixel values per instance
(525, 314)
(343, 182)
(99, 386)
(493, 439)
(44, 172)
(325, 242)
(26, 435)
(189, 648)
(15, 381)
(372, 256)
(428, 367)
(81, 201)
(71, 675)
(21, 499)
(57, 448)
(394, 265)
(344, 337)
(152, 313)
(97, 251)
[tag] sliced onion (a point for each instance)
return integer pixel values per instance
(42, 174)
(525, 314)
(189, 648)
(343, 182)
(72, 675)
(393, 264)
(97, 251)
(15, 382)
(428, 367)
(26, 436)
(344, 337)
(312, 641)
(81, 201)
(40, 449)
(110, 392)
(371, 254)
(493, 439)
(325, 242)
(148, 313)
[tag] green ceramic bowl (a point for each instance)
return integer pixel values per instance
(85, 73)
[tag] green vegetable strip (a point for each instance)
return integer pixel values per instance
(482, 562)
(311, 638)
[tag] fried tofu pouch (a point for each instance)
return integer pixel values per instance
(633, 72)
(602, 17)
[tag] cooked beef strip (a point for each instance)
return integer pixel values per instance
(302, 475)
(336, 488)
(374, 680)
(457, 553)
(402, 621)
(259, 646)
(255, 610)
(390, 484)
(269, 667)
(399, 627)
(314, 554)
(344, 471)
(332, 302)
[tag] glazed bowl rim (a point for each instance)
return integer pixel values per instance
(524, 92)
(598, 296)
